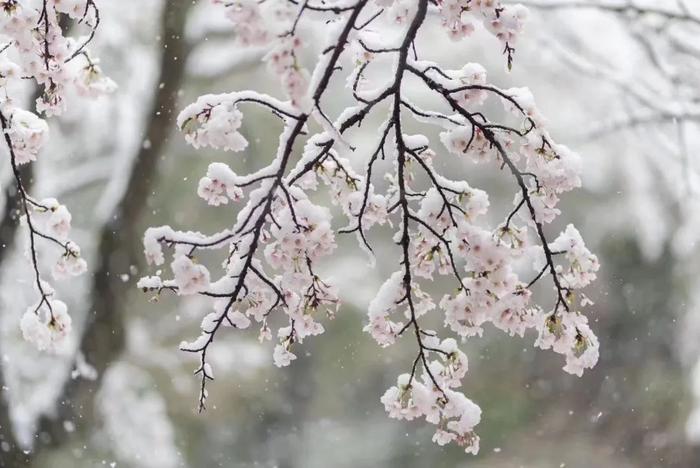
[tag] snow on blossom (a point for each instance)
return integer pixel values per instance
(58, 222)
(254, 22)
(471, 77)
(453, 413)
(211, 122)
(466, 313)
(568, 333)
(8, 71)
(148, 283)
(504, 21)
(400, 11)
(190, 277)
(219, 185)
(282, 357)
(151, 244)
(92, 82)
(507, 23)
(238, 320)
(583, 265)
(70, 263)
(28, 133)
(302, 234)
(464, 141)
(347, 189)
(454, 21)
(382, 329)
(46, 326)
(511, 312)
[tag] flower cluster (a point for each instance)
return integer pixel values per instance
(583, 265)
(47, 324)
(28, 133)
(37, 49)
(249, 21)
(189, 277)
(284, 62)
(299, 234)
(503, 21)
(302, 233)
(91, 82)
(219, 185)
(457, 24)
(346, 189)
(388, 299)
(53, 221)
(567, 331)
(212, 122)
(462, 141)
(398, 11)
(271, 24)
(444, 228)
(451, 411)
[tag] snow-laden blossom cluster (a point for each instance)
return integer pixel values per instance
(28, 133)
(451, 411)
(503, 21)
(443, 226)
(36, 48)
(219, 185)
(215, 123)
(47, 324)
(272, 24)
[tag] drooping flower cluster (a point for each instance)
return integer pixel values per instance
(567, 331)
(47, 324)
(503, 21)
(36, 48)
(442, 228)
(249, 19)
(272, 24)
(451, 411)
(387, 301)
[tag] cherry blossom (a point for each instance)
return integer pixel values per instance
(29, 133)
(213, 123)
(47, 325)
(190, 278)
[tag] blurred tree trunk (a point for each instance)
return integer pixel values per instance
(119, 240)
(103, 337)
(10, 214)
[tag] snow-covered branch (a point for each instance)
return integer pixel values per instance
(271, 251)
